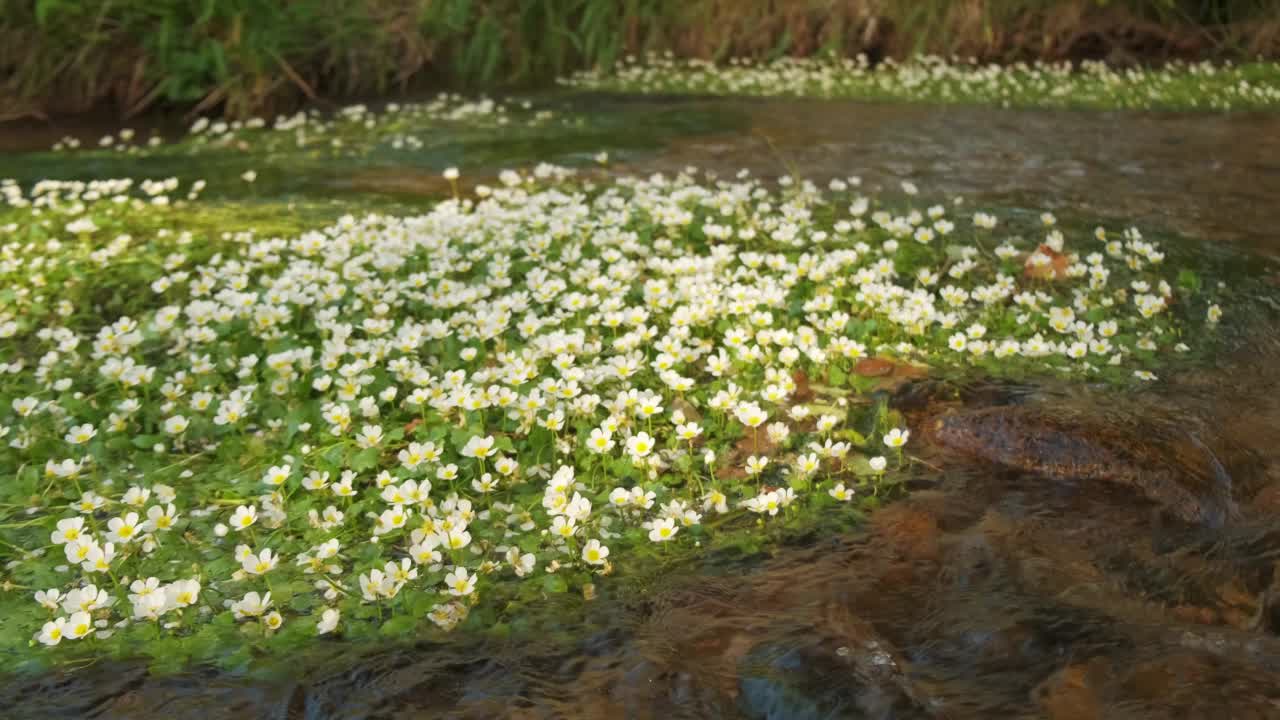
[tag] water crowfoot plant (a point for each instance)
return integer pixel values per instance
(351, 131)
(1094, 84)
(394, 424)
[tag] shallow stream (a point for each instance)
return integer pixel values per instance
(1022, 577)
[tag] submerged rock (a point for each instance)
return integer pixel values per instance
(1172, 468)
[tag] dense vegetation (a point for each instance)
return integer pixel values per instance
(247, 430)
(251, 56)
(231, 424)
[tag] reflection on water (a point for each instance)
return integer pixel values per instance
(1201, 175)
(1206, 175)
(1047, 568)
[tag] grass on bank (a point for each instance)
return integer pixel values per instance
(255, 57)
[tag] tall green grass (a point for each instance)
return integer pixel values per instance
(253, 56)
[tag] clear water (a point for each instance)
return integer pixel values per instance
(988, 592)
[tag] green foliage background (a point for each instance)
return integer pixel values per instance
(255, 56)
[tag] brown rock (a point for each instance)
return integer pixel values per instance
(1181, 476)
(911, 532)
(1069, 695)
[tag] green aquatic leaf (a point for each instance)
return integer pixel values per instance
(554, 583)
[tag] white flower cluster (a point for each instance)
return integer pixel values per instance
(353, 130)
(394, 413)
(935, 79)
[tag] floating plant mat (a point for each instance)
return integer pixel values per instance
(1091, 84)
(397, 148)
(227, 433)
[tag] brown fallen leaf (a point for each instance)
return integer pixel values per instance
(1055, 269)
(803, 392)
(874, 367)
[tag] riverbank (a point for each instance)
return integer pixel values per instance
(243, 58)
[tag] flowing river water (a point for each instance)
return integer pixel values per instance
(1068, 552)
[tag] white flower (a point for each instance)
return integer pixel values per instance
(460, 582)
(456, 539)
(53, 631)
(594, 553)
(25, 406)
(182, 593)
(663, 530)
(123, 529)
(69, 530)
(243, 517)
(82, 226)
(176, 425)
(328, 621)
(276, 476)
(896, 437)
(478, 447)
(522, 564)
(765, 503)
(640, 444)
(808, 464)
(161, 517)
(751, 415)
(251, 605)
(80, 434)
(563, 526)
(49, 599)
(370, 436)
(601, 441)
(261, 563)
